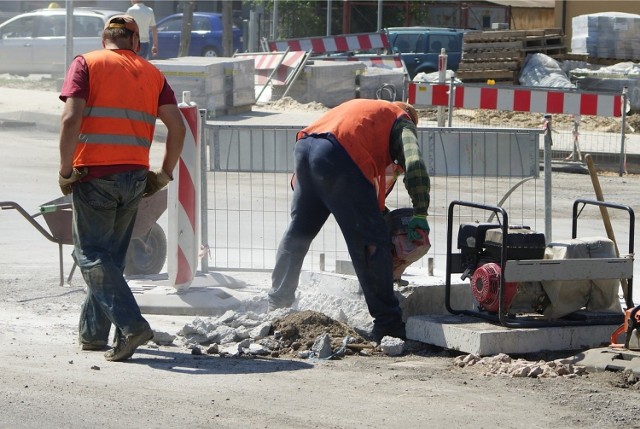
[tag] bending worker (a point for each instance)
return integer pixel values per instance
(112, 98)
(339, 168)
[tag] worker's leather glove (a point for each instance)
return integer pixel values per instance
(417, 222)
(156, 180)
(67, 182)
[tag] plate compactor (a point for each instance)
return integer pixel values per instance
(519, 280)
(480, 246)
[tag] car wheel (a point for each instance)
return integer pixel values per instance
(147, 254)
(210, 51)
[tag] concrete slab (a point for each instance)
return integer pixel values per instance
(423, 295)
(210, 294)
(609, 359)
(473, 335)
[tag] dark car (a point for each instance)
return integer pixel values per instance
(206, 35)
(420, 47)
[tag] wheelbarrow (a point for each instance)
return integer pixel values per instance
(147, 250)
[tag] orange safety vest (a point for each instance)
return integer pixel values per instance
(363, 129)
(120, 116)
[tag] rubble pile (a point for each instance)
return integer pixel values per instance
(503, 364)
(303, 334)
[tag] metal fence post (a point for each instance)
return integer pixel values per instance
(622, 168)
(548, 142)
(204, 220)
(450, 107)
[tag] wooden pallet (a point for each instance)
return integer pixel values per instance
(502, 76)
(489, 65)
(498, 55)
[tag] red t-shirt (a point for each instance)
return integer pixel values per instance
(76, 85)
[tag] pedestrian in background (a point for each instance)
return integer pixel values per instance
(146, 20)
(112, 98)
(340, 162)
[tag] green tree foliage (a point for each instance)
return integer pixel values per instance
(297, 18)
(306, 18)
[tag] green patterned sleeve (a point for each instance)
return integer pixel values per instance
(404, 149)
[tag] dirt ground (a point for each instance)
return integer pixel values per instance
(48, 382)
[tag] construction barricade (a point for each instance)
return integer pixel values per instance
(610, 149)
(184, 203)
(515, 99)
(332, 44)
(275, 68)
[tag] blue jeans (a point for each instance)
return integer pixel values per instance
(104, 212)
(144, 50)
(329, 182)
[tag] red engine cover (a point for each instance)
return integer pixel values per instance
(484, 286)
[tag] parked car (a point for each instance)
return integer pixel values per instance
(420, 47)
(206, 35)
(35, 42)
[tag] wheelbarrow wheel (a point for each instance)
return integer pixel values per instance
(147, 254)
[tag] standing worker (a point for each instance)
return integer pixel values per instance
(112, 98)
(340, 162)
(146, 20)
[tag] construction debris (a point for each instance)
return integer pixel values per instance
(503, 364)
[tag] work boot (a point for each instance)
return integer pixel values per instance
(378, 333)
(124, 347)
(93, 346)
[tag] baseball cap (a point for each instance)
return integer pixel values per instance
(411, 111)
(122, 21)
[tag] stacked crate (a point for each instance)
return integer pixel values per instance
(498, 55)
(326, 82)
(611, 35)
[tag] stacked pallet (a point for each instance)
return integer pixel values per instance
(498, 55)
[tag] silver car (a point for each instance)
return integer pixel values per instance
(35, 42)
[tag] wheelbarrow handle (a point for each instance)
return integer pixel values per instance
(9, 205)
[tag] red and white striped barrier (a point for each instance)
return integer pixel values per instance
(516, 99)
(380, 61)
(285, 64)
(184, 203)
(329, 44)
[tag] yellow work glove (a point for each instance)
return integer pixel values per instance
(156, 180)
(66, 182)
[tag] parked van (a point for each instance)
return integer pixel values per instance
(420, 47)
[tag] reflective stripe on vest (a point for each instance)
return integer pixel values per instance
(119, 119)
(110, 112)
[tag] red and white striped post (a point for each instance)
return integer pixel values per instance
(184, 202)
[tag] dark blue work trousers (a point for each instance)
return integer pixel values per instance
(104, 213)
(328, 181)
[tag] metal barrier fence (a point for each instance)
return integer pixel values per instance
(249, 191)
(573, 136)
